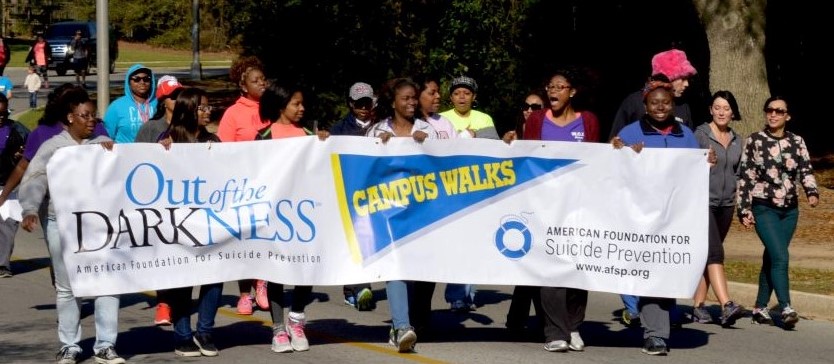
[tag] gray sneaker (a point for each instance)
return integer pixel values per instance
(108, 355)
(5, 272)
(701, 315)
(558, 346)
(67, 355)
(405, 339)
(730, 313)
(576, 342)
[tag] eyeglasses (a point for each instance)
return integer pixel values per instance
(137, 79)
(525, 106)
(364, 103)
(779, 112)
(87, 116)
(557, 88)
(202, 108)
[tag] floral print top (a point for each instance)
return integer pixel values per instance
(770, 169)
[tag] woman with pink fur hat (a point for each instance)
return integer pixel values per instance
(675, 67)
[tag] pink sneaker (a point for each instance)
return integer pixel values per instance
(297, 336)
(281, 341)
(244, 305)
(260, 295)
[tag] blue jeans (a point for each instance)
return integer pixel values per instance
(460, 292)
(69, 306)
(207, 304)
(775, 228)
(397, 292)
(33, 99)
(630, 302)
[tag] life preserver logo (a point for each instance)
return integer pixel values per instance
(513, 239)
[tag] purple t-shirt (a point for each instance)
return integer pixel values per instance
(43, 132)
(573, 132)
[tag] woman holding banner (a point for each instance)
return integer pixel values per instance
(563, 307)
(188, 125)
(79, 119)
(282, 109)
(658, 128)
(397, 107)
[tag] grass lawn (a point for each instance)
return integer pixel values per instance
(130, 53)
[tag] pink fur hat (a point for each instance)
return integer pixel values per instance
(672, 64)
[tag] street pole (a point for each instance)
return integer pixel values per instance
(196, 68)
(103, 56)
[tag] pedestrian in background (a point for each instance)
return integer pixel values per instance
(5, 55)
(33, 85)
(40, 54)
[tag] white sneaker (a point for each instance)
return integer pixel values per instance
(576, 342)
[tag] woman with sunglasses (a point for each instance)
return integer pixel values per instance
(774, 162)
(563, 308)
(79, 119)
(128, 113)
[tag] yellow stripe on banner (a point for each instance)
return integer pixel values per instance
(347, 223)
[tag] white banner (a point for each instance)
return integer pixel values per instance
(351, 210)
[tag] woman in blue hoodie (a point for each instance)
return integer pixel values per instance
(126, 114)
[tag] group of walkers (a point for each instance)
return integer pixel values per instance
(757, 178)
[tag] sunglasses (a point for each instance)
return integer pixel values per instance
(780, 112)
(525, 106)
(137, 79)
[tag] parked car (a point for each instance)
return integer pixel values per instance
(59, 35)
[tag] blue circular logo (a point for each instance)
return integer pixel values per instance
(508, 238)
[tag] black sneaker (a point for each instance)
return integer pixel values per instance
(108, 356)
(67, 356)
(762, 316)
(655, 346)
(187, 348)
(206, 344)
(789, 318)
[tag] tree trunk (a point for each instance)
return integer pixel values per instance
(735, 31)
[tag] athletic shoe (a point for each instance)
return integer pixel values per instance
(298, 339)
(576, 342)
(655, 346)
(559, 346)
(350, 301)
(404, 339)
(629, 319)
(462, 307)
(762, 316)
(187, 348)
(730, 313)
(108, 355)
(789, 318)
(365, 300)
(5, 272)
(67, 355)
(205, 344)
(244, 305)
(281, 340)
(260, 295)
(163, 315)
(701, 315)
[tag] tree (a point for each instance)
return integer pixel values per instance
(736, 35)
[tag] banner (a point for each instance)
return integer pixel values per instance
(352, 209)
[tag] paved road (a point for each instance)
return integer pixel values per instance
(341, 334)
